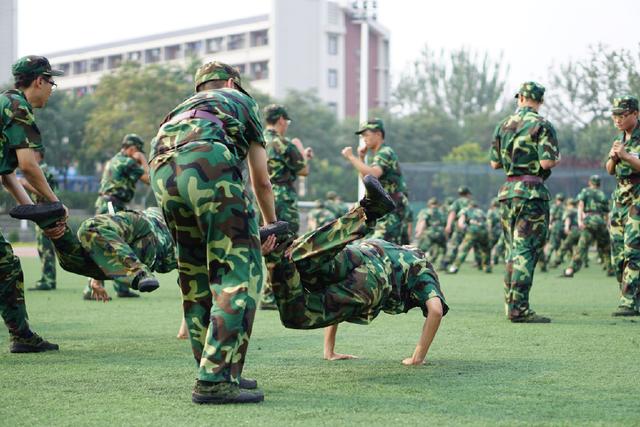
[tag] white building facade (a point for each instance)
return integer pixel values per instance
(8, 38)
(299, 45)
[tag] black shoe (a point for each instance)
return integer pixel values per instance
(248, 383)
(43, 214)
(376, 202)
(221, 393)
(147, 284)
(268, 305)
(42, 287)
(279, 228)
(127, 294)
(531, 318)
(623, 311)
(34, 344)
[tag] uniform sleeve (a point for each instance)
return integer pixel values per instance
(548, 143)
(132, 169)
(21, 130)
(494, 152)
(425, 289)
(384, 159)
(293, 158)
(253, 131)
(581, 196)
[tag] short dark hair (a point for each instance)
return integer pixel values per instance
(211, 84)
(24, 80)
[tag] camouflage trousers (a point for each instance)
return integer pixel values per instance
(499, 249)
(556, 236)
(569, 243)
(454, 244)
(525, 225)
(328, 281)
(478, 240)
(12, 305)
(625, 251)
(594, 231)
(434, 243)
(47, 254)
(213, 224)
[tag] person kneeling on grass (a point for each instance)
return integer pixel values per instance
(323, 278)
(127, 245)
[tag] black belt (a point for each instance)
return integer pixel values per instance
(531, 179)
(196, 114)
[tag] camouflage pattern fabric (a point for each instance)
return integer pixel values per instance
(556, 234)
(319, 216)
(46, 250)
(499, 250)
(197, 180)
(391, 226)
(495, 230)
(571, 239)
(433, 240)
(336, 207)
(118, 183)
(455, 240)
(285, 161)
(625, 227)
(328, 280)
(476, 237)
(17, 130)
(595, 229)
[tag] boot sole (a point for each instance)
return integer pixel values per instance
(38, 212)
(277, 228)
(148, 285)
(212, 400)
(374, 190)
(20, 348)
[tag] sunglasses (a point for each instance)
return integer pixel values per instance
(51, 82)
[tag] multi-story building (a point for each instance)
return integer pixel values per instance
(299, 45)
(8, 38)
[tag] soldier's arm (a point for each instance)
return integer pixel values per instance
(548, 164)
(581, 214)
(140, 158)
(330, 344)
(28, 187)
(495, 165)
(260, 181)
(450, 219)
(362, 168)
(33, 174)
(420, 227)
(429, 329)
(17, 191)
(306, 154)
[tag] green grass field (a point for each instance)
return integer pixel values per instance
(120, 363)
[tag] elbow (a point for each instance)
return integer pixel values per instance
(495, 165)
(548, 164)
(261, 186)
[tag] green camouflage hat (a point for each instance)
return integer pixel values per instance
(216, 70)
(331, 195)
(433, 201)
(623, 104)
(132, 139)
(594, 179)
(448, 200)
(571, 201)
(560, 196)
(274, 111)
(532, 90)
(463, 190)
(372, 124)
(33, 65)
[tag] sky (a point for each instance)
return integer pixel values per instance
(530, 36)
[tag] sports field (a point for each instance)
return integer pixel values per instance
(120, 363)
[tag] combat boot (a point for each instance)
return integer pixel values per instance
(42, 287)
(248, 383)
(624, 311)
(279, 228)
(222, 393)
(33, 344)
(43, 214)
(530, 317)
(127, 294)
(376, 202)
(145, 283)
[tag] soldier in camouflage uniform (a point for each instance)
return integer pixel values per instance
(19, 137)
(195, 162)
(495, 227)
(556, 231)
(570, 229)
(319, 216)
(288, 159)
(384, 165)
(472, 222)
(451, 229)
(623, 163)
(117, 186)
(526, 147)
(430, 236)
(593, 212)
(325, 279)
(335, 205)
(46, 251)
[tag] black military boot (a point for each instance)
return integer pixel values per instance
(376, 201)
(33, 344)
(43, 214)
(279, 228)
(221, 393)
(145, 283)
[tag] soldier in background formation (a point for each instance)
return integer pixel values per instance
(455, 235)
(556, 231)
(430, 237)
(496, 242)
(319, 215)
(472, 224)
(335, 204)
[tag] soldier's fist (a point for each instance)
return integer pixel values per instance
(347, 152)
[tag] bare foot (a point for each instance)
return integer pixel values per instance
(409, 361)
(338, 356)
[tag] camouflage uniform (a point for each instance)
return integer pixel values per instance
(520, 142)
(495, 230)
(476, 236)
(457, 235)
(432, 240)
(319, 216)
(328, 280)
(596, 210)
(625, 218)
(337, 207)
(195, 166)
(556, 231)
(572, 237)
(46, 251)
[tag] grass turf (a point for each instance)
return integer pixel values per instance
(120, 363)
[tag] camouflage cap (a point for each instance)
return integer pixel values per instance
(331, 195)
(34, 65)
(463, 190)
(216, 70)
(132, 139)
(372, 124)
(318, 204)
(571, 201)
(433, 201)
(623, 104)
(274, 111)
(532, 90)
(448, 200)
(594, 179)
(560, 196)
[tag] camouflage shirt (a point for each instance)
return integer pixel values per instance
(475, 218)
(626, 192)
(493, 220)
(595, 202)
(238, 112)
(51, 180)
(572, 214)
(458, 205)
(555, 213)
(519, 143)
(165, 251)
(391, 179)
(285, 160)
(433, 218)
(18, 129)
(321, 216)
(336, 207)
(120, 176)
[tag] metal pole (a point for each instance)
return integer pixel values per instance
(364, 81)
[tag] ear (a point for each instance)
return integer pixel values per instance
(230, 84)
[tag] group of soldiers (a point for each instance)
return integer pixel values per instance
(351, 264)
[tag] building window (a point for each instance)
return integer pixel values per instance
(152, 55)
(332, 44)
(260, 70)
(193, 48)
(242, 68)
(114, 61)
(79, 67)
(259, 38)
(96, 64)
(215, 44)
(332, 80)
(333, 106)
(236, 41)
(134, 56)
(172, 52)
(66, 67)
